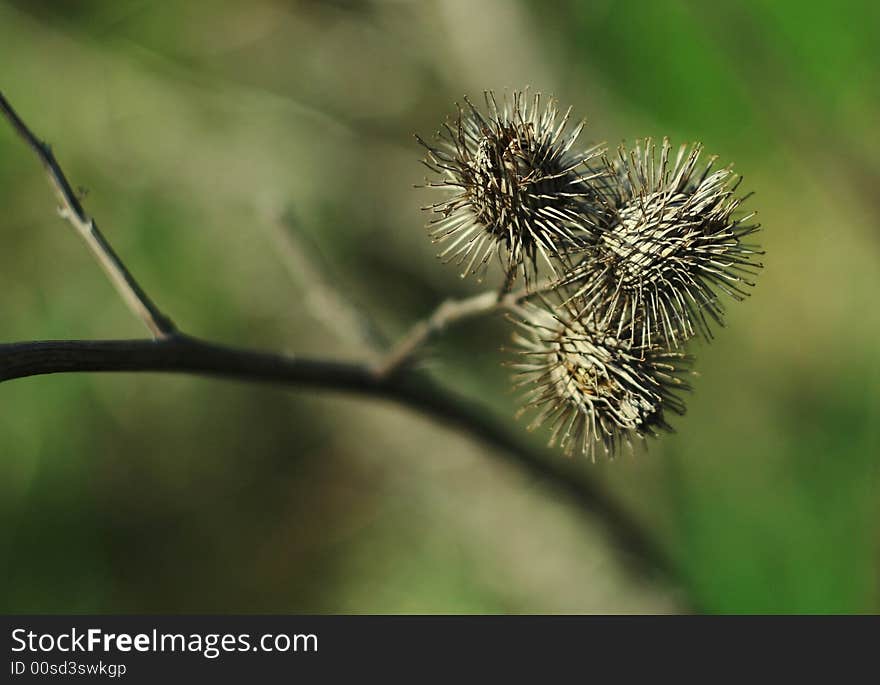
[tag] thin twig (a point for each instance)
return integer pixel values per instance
(72, 210)
(325, 302)
(448, 313)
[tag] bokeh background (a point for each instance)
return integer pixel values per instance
(229, 148)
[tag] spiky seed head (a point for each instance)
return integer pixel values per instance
(676, 244)
(593, 388)
(518, 187)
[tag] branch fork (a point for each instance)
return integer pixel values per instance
(171, 350)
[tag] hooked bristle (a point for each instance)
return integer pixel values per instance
(592, 388)
(519, 188)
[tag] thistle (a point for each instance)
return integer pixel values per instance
(591, 386)
(518, 187)
(675, 244)
(642, 248)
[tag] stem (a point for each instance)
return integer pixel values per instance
(187, 355)
(71, 210)
(448, 313)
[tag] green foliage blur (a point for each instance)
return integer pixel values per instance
(194, 127)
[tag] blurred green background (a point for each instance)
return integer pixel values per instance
(196, 125)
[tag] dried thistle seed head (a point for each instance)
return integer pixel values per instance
(592, 387)
(675, 246)
(518, 188)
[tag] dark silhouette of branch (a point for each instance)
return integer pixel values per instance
(183, 354)
(175, 352)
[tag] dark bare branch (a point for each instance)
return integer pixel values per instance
(418, 391)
